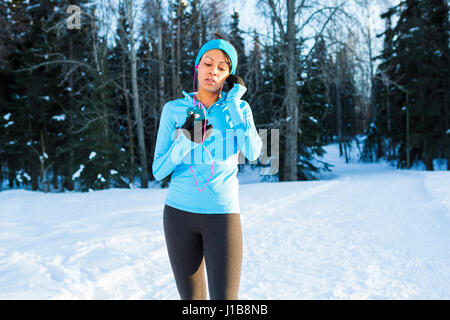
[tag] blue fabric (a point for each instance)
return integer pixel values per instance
(233, 129)
(222, 45)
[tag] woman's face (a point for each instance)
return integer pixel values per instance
(212, 70)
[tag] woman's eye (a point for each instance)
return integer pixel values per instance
(209, 65)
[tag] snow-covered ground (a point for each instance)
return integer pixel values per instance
(366, 231)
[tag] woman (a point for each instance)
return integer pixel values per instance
(202, 226)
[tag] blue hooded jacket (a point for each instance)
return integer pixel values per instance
(233, 129)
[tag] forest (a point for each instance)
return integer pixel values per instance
(82, 85)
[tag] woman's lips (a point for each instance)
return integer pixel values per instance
(210, 81)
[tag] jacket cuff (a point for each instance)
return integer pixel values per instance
(236, 92)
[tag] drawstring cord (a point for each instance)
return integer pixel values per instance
(203, 138)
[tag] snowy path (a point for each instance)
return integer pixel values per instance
(338, 243)
(365, 232)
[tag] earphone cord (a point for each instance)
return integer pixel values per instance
(203, 138)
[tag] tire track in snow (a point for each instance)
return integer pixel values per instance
(252, 214)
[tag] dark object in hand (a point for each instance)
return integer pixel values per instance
(232, 79)
(194, 130)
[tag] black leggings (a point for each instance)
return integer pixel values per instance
(191, 239)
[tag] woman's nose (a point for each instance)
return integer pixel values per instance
(213, 70)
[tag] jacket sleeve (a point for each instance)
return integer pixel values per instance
(241, 116)
(171, 146)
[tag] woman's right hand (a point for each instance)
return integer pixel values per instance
(194, 130)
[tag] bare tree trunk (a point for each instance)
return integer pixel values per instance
(178, 64)
(42, 158)
(337, 81)
(200, 24)
(372, 107)
(291, 98)
(388, 115)
(100, 72)
(447, 122)
(136, 106)
(172, 51)
(68, 182)
(428, 156)
(162, 79)
(129, 121)
(288, 43)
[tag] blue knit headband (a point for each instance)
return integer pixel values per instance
(222, 45)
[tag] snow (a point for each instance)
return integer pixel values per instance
(313, 119)
(60, 117)
(43, 156)
(365, 231)
(33, 6)
(23, 174)
(7, 116)
(78, 173)
(92, 155)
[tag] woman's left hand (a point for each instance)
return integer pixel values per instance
(234, 97)
(232, 79)
(237, 87)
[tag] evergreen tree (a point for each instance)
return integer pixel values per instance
(184, 55)
(237, 41)
(255, 82)
(314, 109)
(270, 112)
(75, 46)
(416, 72)
(119, 66)
(197, 28)
(102, 158)
(31, 103)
